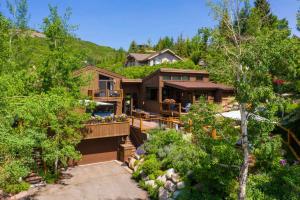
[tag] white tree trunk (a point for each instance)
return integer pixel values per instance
(245, 146)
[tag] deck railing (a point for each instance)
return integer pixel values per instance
(106, 94)
(102, 130)
(170, 109)
(147, 124)
(291, 141)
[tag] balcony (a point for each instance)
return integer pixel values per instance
(103, 130)
(106, 95)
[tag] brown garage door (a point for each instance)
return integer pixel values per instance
(98, 150)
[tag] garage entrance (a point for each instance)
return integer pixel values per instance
(99, 150)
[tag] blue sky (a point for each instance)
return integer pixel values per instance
(116, 23)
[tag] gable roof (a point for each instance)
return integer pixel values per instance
(144, 56)
(99, 70)
(164, 51)
(173, 70)
(139, 56)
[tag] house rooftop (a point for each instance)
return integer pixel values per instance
(190, 71)
(193, 85)
(147, 56)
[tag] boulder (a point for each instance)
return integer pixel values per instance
(151, 183)
(136, 156)
(180, 185)
(162, 179)
(135, 168)
(175, 178)
(131, 163)
(170, 186)
(169, 173)
(163, 194)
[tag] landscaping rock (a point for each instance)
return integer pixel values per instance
(163, 194)
(135, 168)
(136, 156)
(175, 178)
(25, 194)
(170, 172)
(131, 163)
(170, 186)
(151, 183)
(162, 179)
(180, 185)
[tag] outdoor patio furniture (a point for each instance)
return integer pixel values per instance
(187, 107)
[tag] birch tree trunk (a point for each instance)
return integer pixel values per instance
(244, 169)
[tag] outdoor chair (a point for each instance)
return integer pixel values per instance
(187, 107)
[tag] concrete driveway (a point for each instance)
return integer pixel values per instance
(107, 181)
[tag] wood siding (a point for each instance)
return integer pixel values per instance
(103, 130)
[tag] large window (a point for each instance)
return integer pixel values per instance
(152, 93)
(176, 78)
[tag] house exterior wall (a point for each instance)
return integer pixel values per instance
(163, 58)
(151, 105)
(92, 77)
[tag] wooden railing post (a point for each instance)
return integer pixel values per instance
(179, 109)
(141, 124)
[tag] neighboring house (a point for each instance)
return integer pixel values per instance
(164, 56)
(114, 94)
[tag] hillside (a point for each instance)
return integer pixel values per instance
(93, 53)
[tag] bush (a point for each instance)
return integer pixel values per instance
(151, 166)
(160, 138)
(16, 188)
(11, 173)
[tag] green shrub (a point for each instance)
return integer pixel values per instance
(12, 171)
(159, 138)
(151, 166)
(16, 188)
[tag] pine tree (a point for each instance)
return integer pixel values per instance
(133, 48)
(264, 10)
(164, 43)
(243, 17)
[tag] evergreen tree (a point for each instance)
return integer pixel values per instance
(164, 43)
(181, 47)
(133, 48)
(264, 10)
(243, 17)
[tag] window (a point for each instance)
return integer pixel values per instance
(185, 78)
(151, 93)
(200, 77)
(176, 78)
(166, 78)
